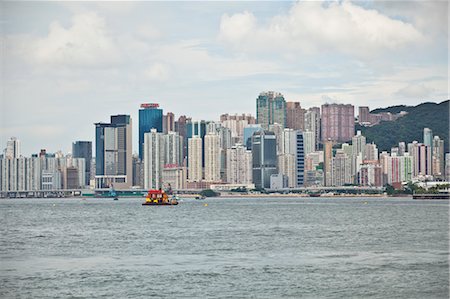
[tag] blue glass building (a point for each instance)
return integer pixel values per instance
(300, 159)
(248, 132)
(264, 158)
(150, 117)
(83, 149)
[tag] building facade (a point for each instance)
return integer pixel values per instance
(338, 122)
(150, 117)
(270, 109)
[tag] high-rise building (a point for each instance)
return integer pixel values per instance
(401, 148)
(180, 127)
(239, 165)
(138, 171)
(421, 155)
(398, 168)
(173, 145)
(264, 158)
(312, 124)
(447, 167)
(12, 150)
(175, 177)
(300, 159)
(277, 129)
(371, 175)
(288, 143)
(438, 157)
(113, 153)
(341, 171)
(364, 115)
(83, 149)
(236, 123)
(427, 137)
(168, 123)
(212, 157)
(154, 151)
(371, 152)
(195, 170)
(308, 142)
(327, 158)
(270, 109)
(295, 116)
(150, 117)
(248, 133)
(359, 144)
(338, 122)
(287, 166)
(197, 128)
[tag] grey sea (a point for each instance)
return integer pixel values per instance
(225, 248)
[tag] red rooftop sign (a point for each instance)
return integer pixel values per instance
(149, 105)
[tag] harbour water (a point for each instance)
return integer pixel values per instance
(225, 248)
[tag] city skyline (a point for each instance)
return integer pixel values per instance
(60, 76)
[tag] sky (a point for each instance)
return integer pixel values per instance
(68, 65)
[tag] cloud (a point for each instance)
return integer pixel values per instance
(157, 72)
(86, 43)
(314, 27)
(415, 91)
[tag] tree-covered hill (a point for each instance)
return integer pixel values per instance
(410, 127)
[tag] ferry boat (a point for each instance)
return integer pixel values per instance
(159, 198)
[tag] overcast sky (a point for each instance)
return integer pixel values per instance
(67, 65)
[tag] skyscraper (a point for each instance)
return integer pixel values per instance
(295, 116)
(364, 115)
(270, 109)
(327, 157)
(173, 145)
(83, 149)
(239, 165)
(438, 157)
(168, 122)
(153, 159)
(150, 117)
(195, 170)
(264, 158)
(428, 137)
(212, 157)
(113, 153)
(341, 171)
(248, 133)
(300, 159)
(12, 150)
(338, 122)
(312, 124)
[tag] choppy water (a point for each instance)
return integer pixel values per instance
(232, 248)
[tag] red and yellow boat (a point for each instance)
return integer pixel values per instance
(159, 198)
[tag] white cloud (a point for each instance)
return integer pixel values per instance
(415, 91)
(312, 27)
(157, 72)
(86, 43)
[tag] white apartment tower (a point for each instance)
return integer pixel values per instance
(212, 157)
(153, 159)
(195, 159)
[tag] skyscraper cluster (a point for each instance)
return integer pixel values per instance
(285, 146)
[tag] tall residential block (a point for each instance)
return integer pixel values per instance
(150, 117)
(173, 145)
(264, 158)
(168, 123)
(295, 116)
(270, 109)
(364, 115)
(83, 149)
(113, 153)
(12, 150)
(212, 157)
(427, 137)
(239, 165)
(300, 159)
(312, 124)
(338, 122)
(195, 170)
(438, 157)
(341, 169)
(327, 158)
(153, 159)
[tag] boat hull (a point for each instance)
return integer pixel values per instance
(159, 204)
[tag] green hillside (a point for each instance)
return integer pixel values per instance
(410, 127)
